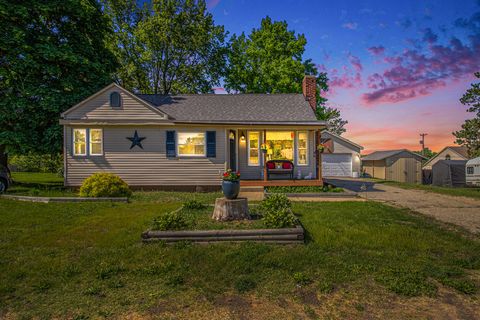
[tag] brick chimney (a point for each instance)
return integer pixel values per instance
(309, 88)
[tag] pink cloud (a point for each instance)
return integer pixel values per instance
(350, 25)
(415, 73)
(376, 51)
(212, 3)
(348, 77)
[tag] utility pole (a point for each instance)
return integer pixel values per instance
(422, 142)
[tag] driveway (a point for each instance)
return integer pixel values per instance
(461, 211)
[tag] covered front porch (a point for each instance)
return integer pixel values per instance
(249, 149)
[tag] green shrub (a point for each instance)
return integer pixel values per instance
(301, 278)
(244, 284)
(175, 220)
(31, 162)
(194, 205)
(102, 184)
(277, 211)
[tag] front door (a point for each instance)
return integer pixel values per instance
(232, 138)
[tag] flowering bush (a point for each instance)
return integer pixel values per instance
(230, 175)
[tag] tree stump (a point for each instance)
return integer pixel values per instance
(228, 210)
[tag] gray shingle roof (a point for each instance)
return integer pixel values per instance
(380, 155)
(234, 107)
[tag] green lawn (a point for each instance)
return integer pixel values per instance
(457, 192)
(39, 184)
(86, 260)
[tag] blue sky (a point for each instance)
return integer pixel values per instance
(396, 67)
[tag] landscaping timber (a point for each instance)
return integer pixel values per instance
(280, 236)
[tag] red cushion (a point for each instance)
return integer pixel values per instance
(270, 165)
(287, 165)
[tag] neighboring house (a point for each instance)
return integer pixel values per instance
(473, 172)
(447, 153)
(189, 139)
(395, 165)
(341, 157)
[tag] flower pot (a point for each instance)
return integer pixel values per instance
(231, 189)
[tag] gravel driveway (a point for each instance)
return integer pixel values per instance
(462, 211)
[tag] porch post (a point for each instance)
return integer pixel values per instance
(319, 155)
(264, 157)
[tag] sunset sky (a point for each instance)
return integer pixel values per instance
(396, 68)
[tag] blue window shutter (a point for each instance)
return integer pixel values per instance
(211, 144)
(171, 148)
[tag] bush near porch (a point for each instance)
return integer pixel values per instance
(85, 260)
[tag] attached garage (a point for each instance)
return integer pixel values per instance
(395, 165)
(341, 157)
(336, 165)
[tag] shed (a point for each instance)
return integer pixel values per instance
(473, 172)
(449, 173)
(395, 165)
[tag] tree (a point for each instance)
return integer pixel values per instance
(270, 60)
(52, 55)
(469, 135)
(426, 153)
(167, 46)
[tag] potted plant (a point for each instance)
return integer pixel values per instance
(321, 148)
(263, 147)
(231, 184)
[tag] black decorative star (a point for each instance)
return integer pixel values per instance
(136, 140)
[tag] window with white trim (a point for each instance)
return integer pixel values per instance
(80, 142)
(470, 170)
(302, 148)
(253, 148)
(191, 144)
(96, 142)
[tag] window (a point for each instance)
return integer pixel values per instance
(96, 138)
(447, 157)
(80, 142)
(191, 143)
(253, 148)
(469, 170)
(302, 156)
(280, 145)
(115, 100)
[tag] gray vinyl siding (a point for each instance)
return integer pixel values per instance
(98, 108)
(255, 172)
(148, 166)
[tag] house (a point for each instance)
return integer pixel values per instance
(395, 165)
(473, 172)
(188, 140)
(449, 173)
(447, 153)
(341, 157)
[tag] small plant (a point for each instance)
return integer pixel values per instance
(277, 211)
(244, 284)
(301, 278)
(170, 221)
(102, 184)
(194, 205)
(230, 175)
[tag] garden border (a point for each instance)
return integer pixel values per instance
(62, 199)
(345, 194)
(294, 235)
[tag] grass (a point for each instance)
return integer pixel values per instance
(86, 260)
(39, 184)
(471, 192)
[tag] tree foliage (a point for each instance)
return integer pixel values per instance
(52, 55)
(167, 46)
(469, 135)
(270, 60)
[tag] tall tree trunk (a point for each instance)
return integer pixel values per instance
(3, 156)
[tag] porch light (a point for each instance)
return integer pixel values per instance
(231, 135)
(242, 138)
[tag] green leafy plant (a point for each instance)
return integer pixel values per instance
(175, 220)
(102, 184)
(33, 162)
(277, 211)
(193, 205)
(301, 278)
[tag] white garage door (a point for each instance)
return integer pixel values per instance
(336, 165)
